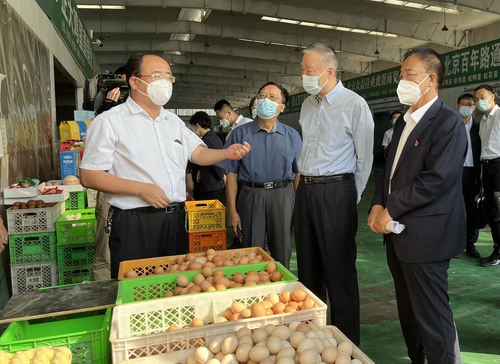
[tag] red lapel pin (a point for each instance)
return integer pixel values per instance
(416, 143)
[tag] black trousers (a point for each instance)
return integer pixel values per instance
(491, 183)
(424, 310)
(469, 192)
(138, 234)
(325, 224)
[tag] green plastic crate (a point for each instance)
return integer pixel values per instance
(76, 231)
(77, 200)
(74, 275)
(154, 286)
(86, 337)
(75, 255)
(32, 248)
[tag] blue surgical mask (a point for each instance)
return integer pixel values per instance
(266, 109)
(394, 121)
(483, 105)
(465, 111)
(311, 85)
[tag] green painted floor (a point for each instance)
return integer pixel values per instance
(474, 293)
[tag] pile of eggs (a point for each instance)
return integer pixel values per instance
(299, 343)
(275, 304)
(192, 262)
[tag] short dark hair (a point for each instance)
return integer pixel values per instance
(432, 60)
(134, 65)
(222, 104)
(485, 87)
(465, 97)
(121, 70)
(284, 92)
(395, 112)
(202, 119)
(250, 105)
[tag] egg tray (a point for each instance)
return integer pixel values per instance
(155, 286)
(153, 350)
(32, 248)
(79, 231)
(35, 220)
(144, 267)
(132, 320)
(203, 215)
(86, 337)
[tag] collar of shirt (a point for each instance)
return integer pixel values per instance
(135, 108)
(417, 115)
(339, 87)
(493, 111)
(278, 127)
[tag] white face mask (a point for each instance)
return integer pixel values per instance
(224, 123)
(158, 91)
(310, 83)
(483, 105)
(409, 92)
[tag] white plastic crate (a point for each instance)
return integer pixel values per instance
(30, 277)
(140, 328)
(91, 198)
(34, 220)
(180, 356)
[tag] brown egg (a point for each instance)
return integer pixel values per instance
(198, 278)
(270, 267)
(293, 304)
(264, 276)
(131, 274)
(194, 289)
(168, 294)
(254, 261)
(195, 266)
(180, 259)
(246, 313)
(218, 272)
(289, 309)
(207, 271)
(173, 328)
(228, 263)
(158, 270)
(244, 260)
(236, 285)
(252, 278)
(276, 276)
(204, 285)
(219, 263)
(217, 258)
(279, 307)
(258, 310)
(304, 328)
(189, 257)
(259, 257)
(285, 296)
(222, 280)
(307, 303)
(238, 277)
(299, 295)
(210, 279)
(219, 287)
(177, 290)
(211, 252)
(228, 313)
(196, 322)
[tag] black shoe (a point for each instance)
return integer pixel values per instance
(472, 252)
(456, 256)
(491, 262)
(482, 260)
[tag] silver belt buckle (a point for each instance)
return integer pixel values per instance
(308, 180)
(268, 185)
(170, 209)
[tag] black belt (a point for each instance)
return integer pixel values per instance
(491, 161)
(171, 208)
(266, 185)
(312, 180)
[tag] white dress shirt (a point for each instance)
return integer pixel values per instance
(337, 134)
(469, 160)
(127, 143)
(241, 120)
(489, 132)
(387, 137)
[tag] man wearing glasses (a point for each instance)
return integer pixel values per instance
(268, 177)
(420, 186)
(136, 153)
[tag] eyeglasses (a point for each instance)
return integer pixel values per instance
(273, 98)
(407, 76)
(158, 76)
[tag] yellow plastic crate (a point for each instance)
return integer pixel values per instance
(205, 215)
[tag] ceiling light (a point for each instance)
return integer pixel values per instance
(415, 5)
(182, 37)
(326, 26)
(278, 44)
(269, 18)
(103, 7)
(434, 8)
(361, 31)
(343, 29)
(289, 21)
(307, 24)
(196, 15)
(175, 53)
(395, 2)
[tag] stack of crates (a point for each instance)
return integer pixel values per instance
(75, 230)
(206, 225)
(32, 247)
(77, 200)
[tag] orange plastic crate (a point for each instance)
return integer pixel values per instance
(204, 240)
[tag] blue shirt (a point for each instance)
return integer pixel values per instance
(273, 157)
(338, 136)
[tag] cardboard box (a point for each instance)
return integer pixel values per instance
(70, 163)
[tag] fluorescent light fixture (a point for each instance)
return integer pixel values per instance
(307, 24)
(434, 8)
(360, 31)
(175, 53)
(278, 44)
(245, 40)
(326, 26)
(395, 2)
(414, 5)
(269, 18)
(182, 37)
(289, 21)
(196, 15)
(344, 29)
(104, 7)
(259, 41)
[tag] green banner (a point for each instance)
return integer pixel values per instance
(69, 25)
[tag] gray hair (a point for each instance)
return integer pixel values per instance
(327, 55)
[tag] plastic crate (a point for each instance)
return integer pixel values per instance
(151, 317)
(86, 337)
(32, 248)
(76, 200)
(205, 215)
(204, 240)
(72, 255)
(30, 277)
(154, 286)
(152, 348)
(91, 198)
(76, 231)
(144, 267)
(75, 275)
(34, 220)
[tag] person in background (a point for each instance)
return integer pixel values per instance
(252, 107)
(388, 133)
(136, 153)
(335, 163)
(268, 177)
(471, 176)
(489, 132)
(210, 178)
(101, 262)
(420, 186)
(228, 117)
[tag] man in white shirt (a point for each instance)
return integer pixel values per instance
(388, 133)
(489, 132)
(228, 117)
(136, 153)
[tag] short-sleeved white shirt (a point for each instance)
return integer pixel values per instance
(127, 143)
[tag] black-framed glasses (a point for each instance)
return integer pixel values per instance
(273, 98)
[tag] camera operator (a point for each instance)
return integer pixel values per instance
(113, 96)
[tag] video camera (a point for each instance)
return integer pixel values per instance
(97, 88)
